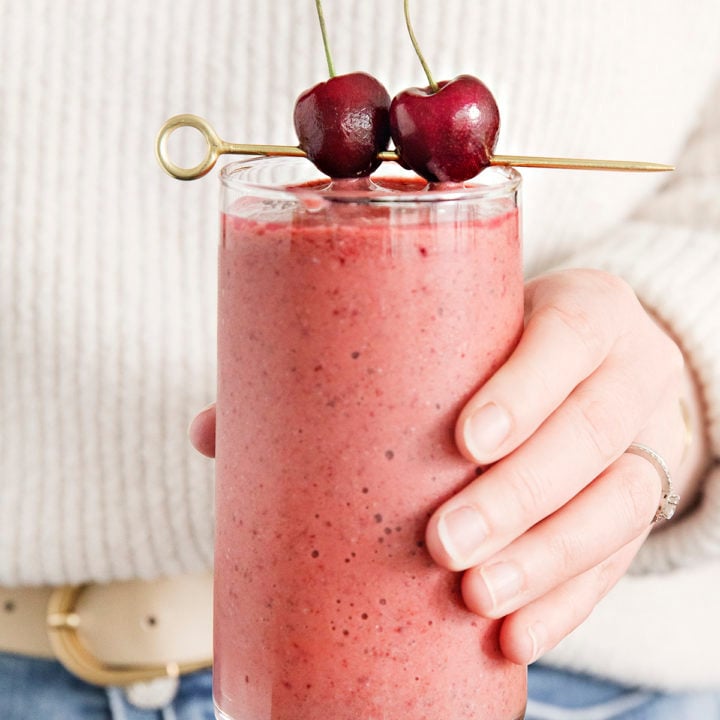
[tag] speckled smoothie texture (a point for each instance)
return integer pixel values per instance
(349, 339)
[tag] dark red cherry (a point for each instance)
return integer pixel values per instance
(448, 135)
(343, 123)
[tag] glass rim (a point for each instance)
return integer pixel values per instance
(507, 181)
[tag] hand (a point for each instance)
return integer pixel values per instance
(556, 519)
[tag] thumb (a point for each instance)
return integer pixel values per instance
(202, 431)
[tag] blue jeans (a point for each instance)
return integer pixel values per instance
(558, 695)
(43, 689)
(32, 689)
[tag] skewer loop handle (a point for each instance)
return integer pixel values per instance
(215, 146)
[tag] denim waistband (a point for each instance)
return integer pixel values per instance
(40, 688)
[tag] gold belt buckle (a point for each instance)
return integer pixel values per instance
(63, 622)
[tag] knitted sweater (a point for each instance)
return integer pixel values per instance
(107, 266)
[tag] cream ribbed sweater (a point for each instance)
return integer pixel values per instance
(107, 266)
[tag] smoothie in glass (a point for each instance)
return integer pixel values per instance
(353, 326)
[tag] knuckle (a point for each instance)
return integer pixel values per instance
(608, 572)
(599, 424)
(638, 496)
(576, 321)
(581, 316)
(529, 493)
(608, 285)
(567, 550)
(606, 576)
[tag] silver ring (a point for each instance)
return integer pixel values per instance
(669, 500)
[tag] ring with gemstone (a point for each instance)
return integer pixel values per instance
(669, 499)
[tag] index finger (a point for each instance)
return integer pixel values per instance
(573, 320)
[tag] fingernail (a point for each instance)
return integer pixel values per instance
(503, 582)
(461, 532)
(538, 639)
(486, 429)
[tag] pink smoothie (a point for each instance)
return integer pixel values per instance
(349, 339)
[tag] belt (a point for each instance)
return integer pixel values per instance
(121, 633)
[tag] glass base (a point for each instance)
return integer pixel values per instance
(220, 715)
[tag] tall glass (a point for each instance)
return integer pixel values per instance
(354, 322)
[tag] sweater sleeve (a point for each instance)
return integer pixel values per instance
(647, 630)
(669, 252)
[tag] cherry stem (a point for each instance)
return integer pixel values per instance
(326, 44)
(433, 85)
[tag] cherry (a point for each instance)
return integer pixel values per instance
(446, 134)
(343, 123)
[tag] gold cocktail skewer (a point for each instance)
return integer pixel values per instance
(579, 163)
(216, 147)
